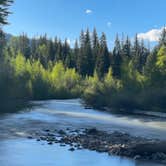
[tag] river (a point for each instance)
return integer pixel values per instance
(17, 150)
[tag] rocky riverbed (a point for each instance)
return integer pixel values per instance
(115, 143)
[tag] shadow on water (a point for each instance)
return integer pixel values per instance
(13, 106)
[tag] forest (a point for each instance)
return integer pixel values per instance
(128, 77)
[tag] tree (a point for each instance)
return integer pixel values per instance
(103, 59)
(4, 4)
(81, 52)
(33, 48)
(162, 40)
(65, 50)
(117, 58)
(161, 60)
(71, 59)
(24, 45)
(95, 47)
(88, 55)
(144, 52)
(126, 48)
(43, 53)
(136, 54)
(85, 59)
(2, 42)
(51, 50)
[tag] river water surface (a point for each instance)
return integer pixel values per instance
(17, 150)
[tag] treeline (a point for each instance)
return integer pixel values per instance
(141, 85)
(131, 76)
(90, 52)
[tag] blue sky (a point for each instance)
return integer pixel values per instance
(65, 18)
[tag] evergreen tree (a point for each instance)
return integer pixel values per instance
(144, 52)
(103, 60)
(88, 55)
(162, 40)
(56, 46)
(126, 48)
(2, 42)
(33, 47)
(117, 58)
(81, 58)
(51, 50)
(95, 47)
(59, 56)
(24, 45)
(136, 54)
(65, 50)
(4, 4)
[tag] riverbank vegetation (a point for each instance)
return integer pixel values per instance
(131, 76)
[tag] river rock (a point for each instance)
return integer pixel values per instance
(71, 149)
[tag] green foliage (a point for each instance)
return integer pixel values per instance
(161, 60)
(4, 4)
(65, 83)
(131, 77)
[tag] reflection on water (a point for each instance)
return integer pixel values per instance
(22, 152)
(13, 106)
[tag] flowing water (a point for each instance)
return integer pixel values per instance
(17, 150)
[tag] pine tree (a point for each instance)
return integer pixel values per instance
(65, 50)
(59, 56)
(103, 60)
(117, 58)
(144, 53)
(162, 40)
(126, 49)
(56, 48)
(2, 42)
(149, 67)
(4, 4)
(51, 50)
(95, 47)
(76, 53)
(88, 54)
(24, 45)
(33, 47)
(136, 54)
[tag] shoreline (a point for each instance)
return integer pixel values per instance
(115, 143)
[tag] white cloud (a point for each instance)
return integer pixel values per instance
(153, 35)
(88, 11)
(68, 41)
(109, 24)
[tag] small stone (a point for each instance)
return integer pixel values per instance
(61, 132)
(50, 143)
(92, 131)
(30, 137)
(71, 149)
(62, 145)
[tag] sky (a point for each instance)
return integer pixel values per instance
(66, 18)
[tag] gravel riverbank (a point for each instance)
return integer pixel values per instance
(116, 143)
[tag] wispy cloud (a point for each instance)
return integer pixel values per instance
(88, 11)
(152, 35)
(109, 24)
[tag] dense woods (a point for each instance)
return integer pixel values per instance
(131, 76)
